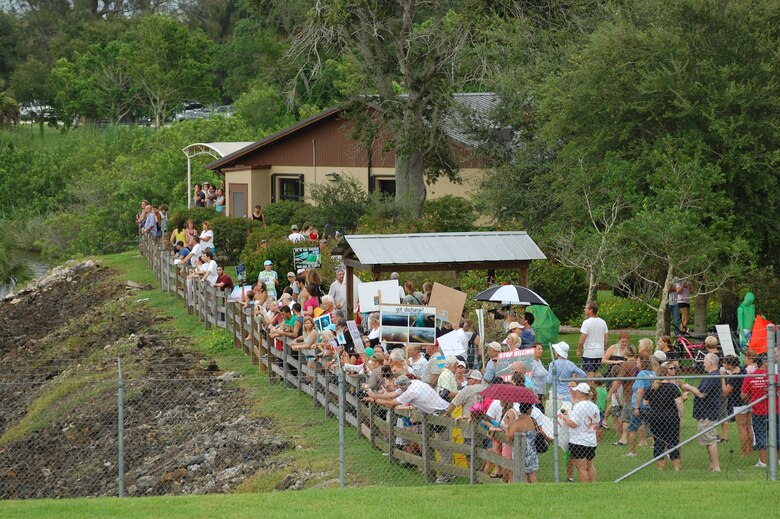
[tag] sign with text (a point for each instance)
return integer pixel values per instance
(407, 324)
(357, 339)
(307, 258)
(451, 344)
(507, 358)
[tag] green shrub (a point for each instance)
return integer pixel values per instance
(218, 340)
(287, 212)
(339, 204)
(278, 250)
(619, 312)
(230, 235)
(448, 214)
(196, 214)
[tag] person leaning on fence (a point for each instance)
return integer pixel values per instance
(706, 408)
(527, 427)
(492, 350)
(209, 268)
(583, 420)
(752, 390)
(665, 415)
(224, 282)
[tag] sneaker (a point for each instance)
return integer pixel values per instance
(570, 480)
(630, 455)
(760, 465)
(443, 479)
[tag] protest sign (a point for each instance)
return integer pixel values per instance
(451, 345)
(407, 324)
(357, 339)
(370, 294)
(322, 321)
(448, 302)
(307, 258)
(724, 336)
(235, 295)
(507, 358)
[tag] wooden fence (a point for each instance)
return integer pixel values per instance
(436, 450)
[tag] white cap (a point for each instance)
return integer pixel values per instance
(583, 388)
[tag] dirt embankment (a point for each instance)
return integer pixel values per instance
(187, 427)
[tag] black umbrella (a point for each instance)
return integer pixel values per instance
(511, 295)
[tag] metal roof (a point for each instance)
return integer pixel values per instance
(433, 248)
(215, 149)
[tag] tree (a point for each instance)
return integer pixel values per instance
(405, 51)
(96, 84)
(682, 229)
(9, 111)
(168, 64)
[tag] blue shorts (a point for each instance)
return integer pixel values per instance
(637, 421)
(761, 430)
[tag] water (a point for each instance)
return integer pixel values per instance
(38, 266)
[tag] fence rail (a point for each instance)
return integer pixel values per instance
(436, 452)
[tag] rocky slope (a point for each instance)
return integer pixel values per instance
(187, 424)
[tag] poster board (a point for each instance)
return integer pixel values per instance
(369, 294)
(407, 324)
(235, 295)
(307, 258)
(507, 358)
(450, 345)
(322, 322)
(448, 302)
(357, 339)
(724, 337)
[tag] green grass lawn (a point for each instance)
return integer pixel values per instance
(677, 499)
(295, 415)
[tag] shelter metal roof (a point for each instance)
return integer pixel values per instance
(215, 149)
(451, 249)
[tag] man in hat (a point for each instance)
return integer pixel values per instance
(413, 393)
(492, 350)
(563, 368)
(270, 277)
(447, 383)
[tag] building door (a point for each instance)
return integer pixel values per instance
(238, 200)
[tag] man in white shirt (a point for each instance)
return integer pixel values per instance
(295, 236)
(416, 360)
(209, 267)
(594, 336)
(338, 290)
(416, 394)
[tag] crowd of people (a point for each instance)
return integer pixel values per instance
(643, 405)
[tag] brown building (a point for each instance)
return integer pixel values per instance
(320, 149)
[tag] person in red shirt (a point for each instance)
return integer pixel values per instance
(752, 390)
(223, 280)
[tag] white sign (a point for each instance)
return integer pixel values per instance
(369, 294)
(450, 345)
(724, 336)
(357, 339)
(407, 324)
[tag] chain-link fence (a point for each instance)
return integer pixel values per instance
(308, 419)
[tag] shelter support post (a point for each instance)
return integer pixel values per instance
(348, 281)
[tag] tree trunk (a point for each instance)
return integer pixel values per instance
(410, 183)
(700, 315)
(660, 316)
(592, 286)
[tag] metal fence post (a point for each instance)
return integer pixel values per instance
(556, 468)
(342, 382)
(771, 459)
(121, 429)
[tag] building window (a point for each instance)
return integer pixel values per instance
(287, 187)
(386, 186)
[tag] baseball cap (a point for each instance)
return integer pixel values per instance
(583, 388)
(475, 374)
(267, 262)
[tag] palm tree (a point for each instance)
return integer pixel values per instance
(13, 269)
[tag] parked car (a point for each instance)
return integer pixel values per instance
(188, 111)
(224, 111)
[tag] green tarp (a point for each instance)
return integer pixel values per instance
(546, 324)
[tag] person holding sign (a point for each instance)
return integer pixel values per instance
(270, 277)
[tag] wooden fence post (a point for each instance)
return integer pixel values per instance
(518, 458)
(428, 454)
